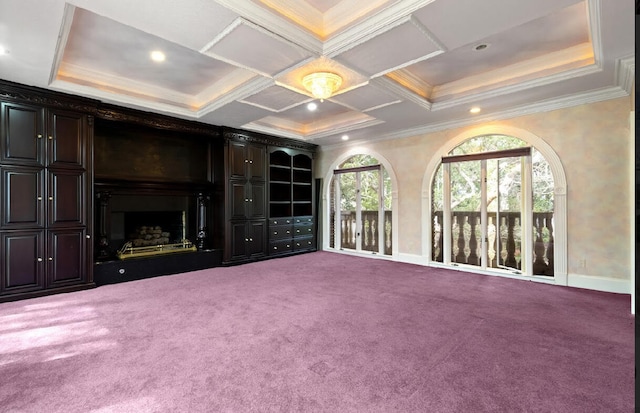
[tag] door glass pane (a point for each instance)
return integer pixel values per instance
(370, 200)
(543, 191)
(347, 210)
(504, 212)
(466, 212)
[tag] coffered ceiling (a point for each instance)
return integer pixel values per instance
(407, 66)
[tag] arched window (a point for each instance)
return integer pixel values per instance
(492, 207)
(361, 206)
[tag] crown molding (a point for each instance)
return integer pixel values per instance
(594, 17)
(518, 87)
(273, 131)
(568, 101)
(576, 55)
(101, 81)
(402, 92)
(60, 85)
(625, 73)
(63, 37)
(411, 82)
(344, 129)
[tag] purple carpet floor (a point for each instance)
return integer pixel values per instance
(319, 332)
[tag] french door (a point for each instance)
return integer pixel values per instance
(358, 199)
(487, 216)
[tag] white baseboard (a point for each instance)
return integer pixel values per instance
(590, 282)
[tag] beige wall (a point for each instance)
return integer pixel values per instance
(593, 143)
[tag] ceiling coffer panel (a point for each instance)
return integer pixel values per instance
(459, 22)
(250, 46)
(276, 98)
(401, 45)
(94, 40)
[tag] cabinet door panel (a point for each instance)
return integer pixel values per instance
(22, 263)
(238, 240)
(22, 200)
(66, 146)
(238, 199)
(65, 200)
(257, 162)
(21, 135)
(257, 238)
(66, 260)
(238, 160)
(257, 200)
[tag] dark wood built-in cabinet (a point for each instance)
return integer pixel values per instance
(45, 184)
(291, 214)
(246, 197)
(73, 170)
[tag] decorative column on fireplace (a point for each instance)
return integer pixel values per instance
(103, 225)
(202, 221)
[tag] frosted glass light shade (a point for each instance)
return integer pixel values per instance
(322, 84)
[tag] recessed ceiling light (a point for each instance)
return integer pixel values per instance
(3, 51)
(474, 109)
(157, 56)
(345, 137)
(311, 106)
(481, 46)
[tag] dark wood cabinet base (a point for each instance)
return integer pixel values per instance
(43, 292)
(111, 272)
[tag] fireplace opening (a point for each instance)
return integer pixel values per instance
(144, 229)
(141, 225)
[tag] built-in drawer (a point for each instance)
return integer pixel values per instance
(278, 232)
(304, 243)
(302, 230)
(280, 247)
(280, 221)
(303, 220)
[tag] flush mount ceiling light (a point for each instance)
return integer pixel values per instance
(474, 109)
(322, 84)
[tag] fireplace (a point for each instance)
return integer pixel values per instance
(149, 222)
(147, 230)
